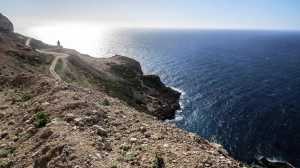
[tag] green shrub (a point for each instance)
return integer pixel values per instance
(59, 66)
(3, 153)
(158, 162)
(25, 136)
(41, 119)
(5, 164)
(125, 147)
(114, 164)
(6, 152)
(130, 156)
(25, 97)
(106, 102)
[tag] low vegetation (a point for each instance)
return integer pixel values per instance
(158, 162)
(59, 66)
(5, 164)
(41, 119)
(106, 102)
(6, 152)
(22, 97)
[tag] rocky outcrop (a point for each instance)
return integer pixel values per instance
(162, 101)
(146, 91)
(122, 77)
(5, 24)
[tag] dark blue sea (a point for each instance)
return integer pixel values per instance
(240, 88)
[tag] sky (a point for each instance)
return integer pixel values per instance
(220, 14)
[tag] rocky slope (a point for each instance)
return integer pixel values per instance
(5, 24)
(102, 114)
(121, 77)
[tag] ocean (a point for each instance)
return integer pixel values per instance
(240, 88)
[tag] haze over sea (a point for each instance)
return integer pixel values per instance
(241, 88)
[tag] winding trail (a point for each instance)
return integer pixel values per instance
(57, 56)
(27, 43)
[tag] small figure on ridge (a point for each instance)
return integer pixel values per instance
(58, 44)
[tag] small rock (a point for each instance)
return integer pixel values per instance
(30, 120)
(133, 140)
(206, 165)
(3, 135)
(31, 130)
(98, 155)
(89, 120)
(15, 138)
(46, 133)
(3, 107)
(166, 145)
(99, 130)
(11, 122)
(78, 122)
(45, 104)
(35, 154)
(143, 129)
(147, 135)
(19, 130)
(107, 147)
(57, 121)
(76, 98)
(2, 115)
(69, 117)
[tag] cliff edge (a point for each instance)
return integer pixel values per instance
(121, 77)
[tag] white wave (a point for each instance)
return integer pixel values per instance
(178, 114)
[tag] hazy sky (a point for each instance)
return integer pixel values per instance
(245, 14)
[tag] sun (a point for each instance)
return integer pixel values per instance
(87, 38)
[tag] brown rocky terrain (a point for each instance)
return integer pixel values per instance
(120, 77)
(101, 113)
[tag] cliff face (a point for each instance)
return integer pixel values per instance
(83, 119)
(123, 78)
(145, 92)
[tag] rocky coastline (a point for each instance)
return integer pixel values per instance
(61, 108)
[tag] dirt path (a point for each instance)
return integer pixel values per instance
(27, 43)
(57, 56)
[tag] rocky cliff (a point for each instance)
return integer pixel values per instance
(122, 77)
(60, 108)
(5, 24)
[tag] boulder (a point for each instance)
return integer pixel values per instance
(5, 24)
